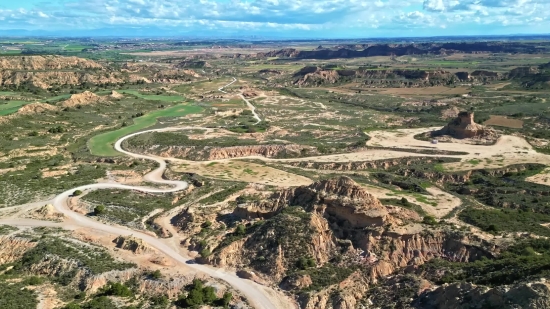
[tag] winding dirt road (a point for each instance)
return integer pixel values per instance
(258, 296)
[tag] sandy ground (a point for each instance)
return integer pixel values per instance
(542, 178)
(445, 202)
(506, 151)
(243, 171)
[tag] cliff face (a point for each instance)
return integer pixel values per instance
(370, 50)
(336, 222)
(12, 248)
(48, 71)
(218, 153)
(341, 198)
(40, 63)
(316, 76)
(275, 246)
(343, 215)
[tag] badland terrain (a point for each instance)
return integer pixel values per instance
(291, 174)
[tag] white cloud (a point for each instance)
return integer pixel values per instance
(323, 16)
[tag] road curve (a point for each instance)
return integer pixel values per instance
(254, 293)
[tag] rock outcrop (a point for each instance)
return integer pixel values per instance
(42, 63)
(341, 198)
(218, 153)
(13, 248)
(133, 244)
(35, 108)
(464, 126)
(80, 99)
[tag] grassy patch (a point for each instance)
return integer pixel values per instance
(16, 296)
(11, 107)
(102, 145)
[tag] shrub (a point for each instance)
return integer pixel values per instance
(205, 253)
(77, 193)
(241, 230)
(116, 289)
(98, 210)
(429, 220)
(34, 280)
(156, 274)
(199, 295)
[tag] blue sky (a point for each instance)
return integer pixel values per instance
(280, 18)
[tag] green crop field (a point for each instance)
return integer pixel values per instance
(102, 145)
(11, 107)
(164, 98)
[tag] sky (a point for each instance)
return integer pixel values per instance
(277, 18)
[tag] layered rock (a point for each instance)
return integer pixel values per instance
(464, 126)
(35, 108)
(41, 63)
(340, 197)
(80, 99)
(218, 153)
(13, 248)
(136, 245)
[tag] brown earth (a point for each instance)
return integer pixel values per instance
(503, 121)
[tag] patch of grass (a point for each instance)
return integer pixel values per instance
(16, 296)
(102, 145)
(95, 259)
(11, 107)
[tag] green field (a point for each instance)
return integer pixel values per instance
(102, 145)
(154, 97)
(11, 107)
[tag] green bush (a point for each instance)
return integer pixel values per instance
(116, 289)
(156, 274)
(205, 253)
(77, 193)
(240, 230)
(199, 295)
(16, 296)
(98, 210)
(429, 220)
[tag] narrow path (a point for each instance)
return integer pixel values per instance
(231, 83)
(252, 107)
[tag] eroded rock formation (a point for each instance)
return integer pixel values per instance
(464, 126)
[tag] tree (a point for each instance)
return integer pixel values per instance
(404, 201)
(77, 193)
(205, 253)
(226, 299)
(429, 220)
(156, 274)
(98, 210)
(241, 230)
